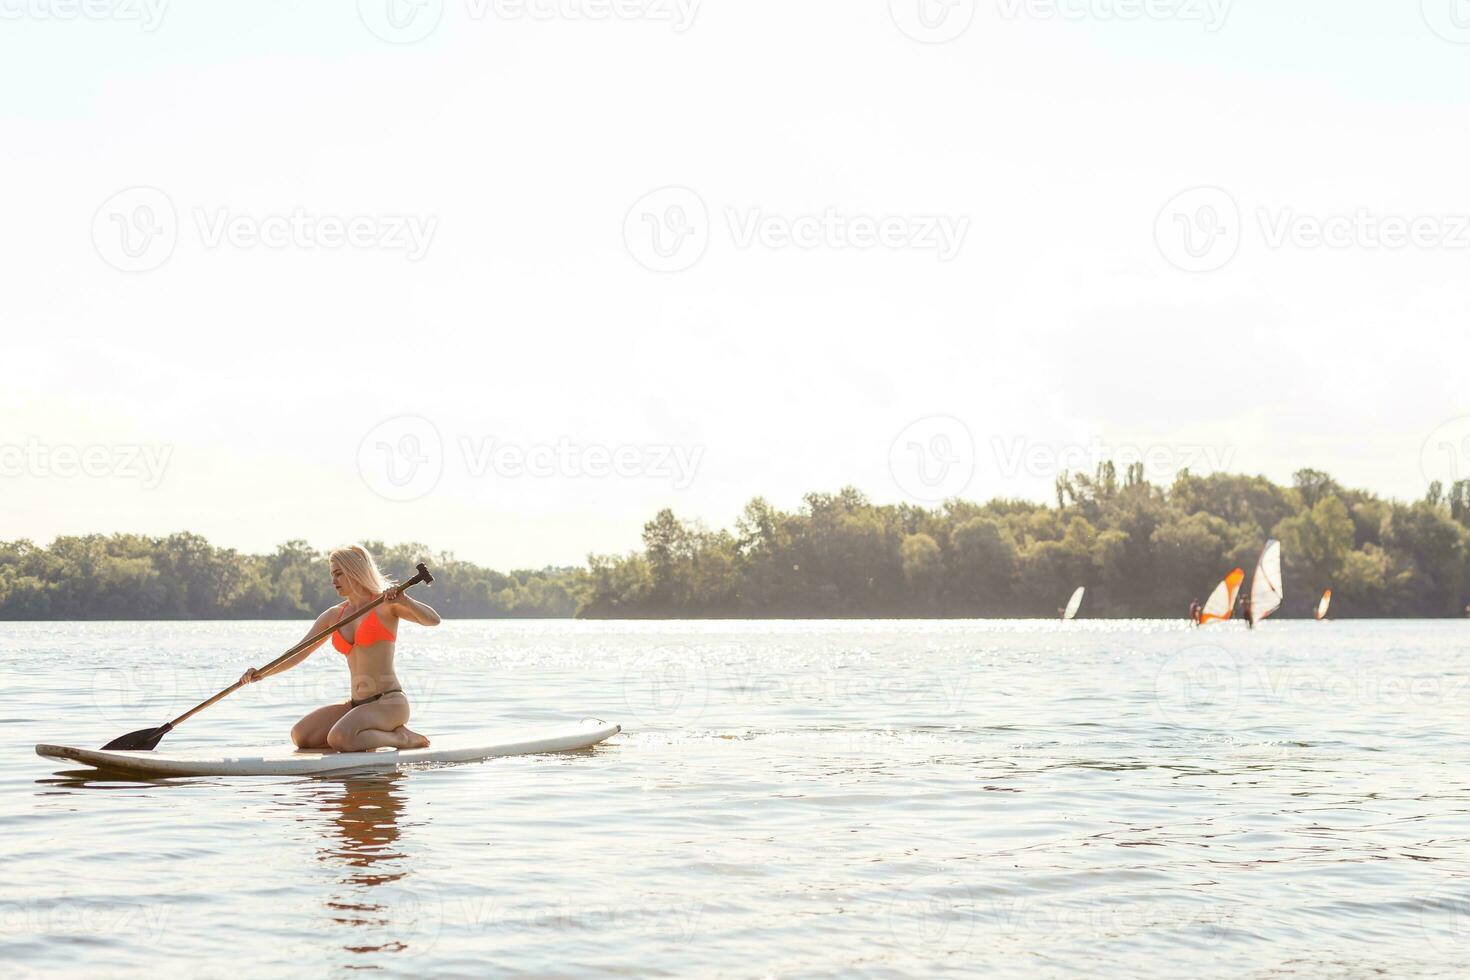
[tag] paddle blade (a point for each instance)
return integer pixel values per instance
(143, 740)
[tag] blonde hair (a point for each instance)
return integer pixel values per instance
(359, 568)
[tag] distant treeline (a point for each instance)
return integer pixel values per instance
(1141, 550)
(127, 576)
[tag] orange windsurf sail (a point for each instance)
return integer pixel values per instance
(1222, 601)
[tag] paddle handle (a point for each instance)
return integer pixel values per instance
(422, 576)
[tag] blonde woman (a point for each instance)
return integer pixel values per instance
(376, 714)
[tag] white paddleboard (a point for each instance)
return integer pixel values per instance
(285, 761)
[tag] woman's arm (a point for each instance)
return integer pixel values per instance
(407, 607)
(322, 622)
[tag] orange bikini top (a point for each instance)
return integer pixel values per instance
(370, 630)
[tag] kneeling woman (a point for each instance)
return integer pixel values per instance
(376, 714)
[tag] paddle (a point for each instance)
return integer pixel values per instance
(147, 739)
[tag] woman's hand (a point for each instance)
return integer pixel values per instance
(392, 594)
(249, 677)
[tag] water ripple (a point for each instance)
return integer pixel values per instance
(889, 799)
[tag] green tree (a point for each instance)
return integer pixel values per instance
(1189, 558)
(923, 569)
(1316, 543)
(984, 567)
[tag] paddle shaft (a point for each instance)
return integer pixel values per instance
(422, 576)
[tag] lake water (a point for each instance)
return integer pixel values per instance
(787, 799)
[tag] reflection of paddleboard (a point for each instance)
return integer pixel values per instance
(285, 761)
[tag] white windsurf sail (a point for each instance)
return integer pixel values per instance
(1266, 591)
(1221, 603)
(1322, 606)
(1074, 604)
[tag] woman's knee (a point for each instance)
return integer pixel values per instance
(339, 738)
(310, 736)
(312, 730)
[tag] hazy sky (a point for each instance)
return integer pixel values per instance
(508, 278)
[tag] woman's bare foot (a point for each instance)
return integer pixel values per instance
(413, 740)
